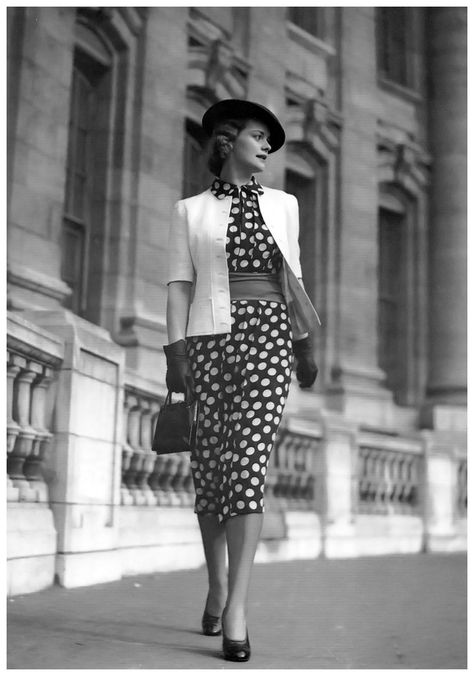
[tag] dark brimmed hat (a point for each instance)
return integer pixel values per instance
(238, 109)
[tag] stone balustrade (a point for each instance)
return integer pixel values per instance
(148, 479)
(291, 478)
(29, 376)
(389, 475)
(461, 502)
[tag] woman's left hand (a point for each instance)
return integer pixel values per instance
(179, 377)
(306, 369)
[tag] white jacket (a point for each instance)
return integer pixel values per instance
(197, 253)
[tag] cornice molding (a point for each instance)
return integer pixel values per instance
(313, 121)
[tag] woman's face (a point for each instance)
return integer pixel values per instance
(251, 147)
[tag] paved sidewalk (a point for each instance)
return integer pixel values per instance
(382, 612)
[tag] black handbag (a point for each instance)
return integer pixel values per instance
(176, 427)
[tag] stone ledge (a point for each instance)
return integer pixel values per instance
(27, 338)
(39, 282)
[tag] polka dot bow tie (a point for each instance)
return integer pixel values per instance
(222, 189)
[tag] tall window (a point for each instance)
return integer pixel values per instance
(85, 153)
(395, 44)
(196, 176)
(309, 19)
(392, 315)
(303, 188)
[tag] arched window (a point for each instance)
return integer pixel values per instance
(87, 148)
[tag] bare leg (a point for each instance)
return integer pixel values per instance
(214, 543)
(243, 533)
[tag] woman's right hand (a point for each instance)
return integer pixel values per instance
(179, 377)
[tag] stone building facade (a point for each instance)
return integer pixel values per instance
(104, 106)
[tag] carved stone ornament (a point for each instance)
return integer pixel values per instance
(219, 63)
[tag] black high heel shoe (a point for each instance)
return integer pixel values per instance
(235, 651)
(211, 624)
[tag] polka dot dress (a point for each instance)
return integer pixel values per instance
(241, 378)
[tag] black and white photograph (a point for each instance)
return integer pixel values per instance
(236, 327)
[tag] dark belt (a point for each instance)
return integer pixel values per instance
(255, 286)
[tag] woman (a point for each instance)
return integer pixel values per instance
(236, 315)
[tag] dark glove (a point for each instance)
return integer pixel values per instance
(306, 369)
(179, 377)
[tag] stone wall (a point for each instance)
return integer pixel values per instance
(40, 61)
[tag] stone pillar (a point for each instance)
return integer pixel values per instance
(445, 528)
(31, 532)
(40, 45)
(158, 162)
(447, 108)
(355, 378)
(85, 463)
(267, 75)
(336, 479)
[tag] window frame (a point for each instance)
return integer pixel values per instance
(387, 54)
(93, 63)
(306, 163)
(196, 177)
(408, 388)
(296, 17)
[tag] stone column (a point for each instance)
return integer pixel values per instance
(266, 84)
(158, 163)
(444, 526)
(40, 49)
(447, 107)
(355, 378)
(336, 481)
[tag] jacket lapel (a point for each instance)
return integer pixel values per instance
(274, 214)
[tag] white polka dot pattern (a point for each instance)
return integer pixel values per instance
(249, 244)
(239, 419)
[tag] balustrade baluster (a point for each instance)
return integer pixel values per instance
(14, 365)
(34, 463)
(159, 481)
(188, 487)
(148, 457)
(161, 477)
(165, 472)
(173, 477)
(127, 452)
(26, 436)
(136, 459)
(462, 488)
(281, 486)
(271, 481)
(179, 478)
(290, 479)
